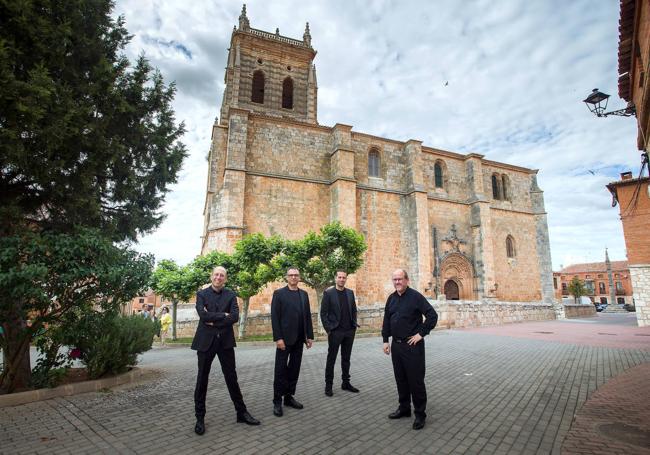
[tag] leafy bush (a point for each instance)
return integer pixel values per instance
(110, 343)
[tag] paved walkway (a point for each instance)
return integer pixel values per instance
(490, 391)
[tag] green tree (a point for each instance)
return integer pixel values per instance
(173, 283)
(85, 140)
(252, 269)
(53, 275)
(577, 288)
(319, 256)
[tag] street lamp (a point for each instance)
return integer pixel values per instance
(597, 103)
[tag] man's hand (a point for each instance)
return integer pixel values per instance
(280, 345)
(414, 339)
(386, 348)
(309, 343)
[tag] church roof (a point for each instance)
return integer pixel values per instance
(594, 267)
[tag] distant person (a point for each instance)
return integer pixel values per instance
(218, 311)
(144, 313)
(403, 322)
(165, 323)
(338, 312)
(292, 328)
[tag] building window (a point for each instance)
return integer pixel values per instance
(564, 287)
(620, 300)
(619, 287)
(373, 163)
(510, 247)
(589, 287)
(141, 300)
(603, 300)
(287, 93)
(438, 174)
(504, 187)
(601, 288)
(554, 282)
(495, 187)
(257, 96)
(587, 277)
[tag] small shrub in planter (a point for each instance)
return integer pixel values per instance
(110, 343)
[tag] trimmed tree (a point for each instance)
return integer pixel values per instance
(172, 283)
(319, 256)
(577, 288)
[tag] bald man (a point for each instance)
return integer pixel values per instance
(403, 322)
(218, 311)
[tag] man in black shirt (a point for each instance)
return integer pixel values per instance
(403, 321)
(292, 327)
(218, 311)
(338, 311)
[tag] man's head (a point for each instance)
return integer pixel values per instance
(340, 278)
(400, 280)
(293, 276)
(218, 277)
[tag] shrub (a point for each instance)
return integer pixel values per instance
(110, 343)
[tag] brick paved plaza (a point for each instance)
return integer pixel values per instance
(490, 391)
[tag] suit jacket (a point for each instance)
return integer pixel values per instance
(285, 320)
(215, 312)
(330, 309)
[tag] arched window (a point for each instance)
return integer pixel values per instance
(504, 187)
(495, 187)
(601, 288)
(287, 93)
(510, 247)
(438, 174)
(257, 96)
(373, 163)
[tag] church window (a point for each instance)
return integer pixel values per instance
(601, 287)
(496, 194)
(504, 187)
(438, 174)
(510, 247)
(287, 93)
(257, 96)
(373, 163)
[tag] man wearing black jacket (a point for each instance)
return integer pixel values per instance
(292, 327)
(218, 311)
(338, 312)
(403, 322)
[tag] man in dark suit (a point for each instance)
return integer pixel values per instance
(338, 312)
(292, 327)
(218, 311)
(403, 322)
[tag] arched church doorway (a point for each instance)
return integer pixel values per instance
(451, 290)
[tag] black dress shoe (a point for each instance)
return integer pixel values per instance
(418, 424)
(349, 387)
(199, 428)
(277, 409)
(328, 390)
(246, 418)
(399, 414)
(292, 403)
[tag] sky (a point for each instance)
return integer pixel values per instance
(504, 79)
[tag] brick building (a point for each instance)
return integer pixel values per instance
(632, 194)
(463, 226)
(605, 283)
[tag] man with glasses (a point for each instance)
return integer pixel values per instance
(292, 327)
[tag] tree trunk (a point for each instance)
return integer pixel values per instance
(16, 373)
(174, 307)
(319, 298)
(243, 317)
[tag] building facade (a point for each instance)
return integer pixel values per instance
(605, 283)
(632, 194)
(466, 228)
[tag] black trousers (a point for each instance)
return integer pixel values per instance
(343, 339)
(409, 368)
(227, 361)
(287, 370)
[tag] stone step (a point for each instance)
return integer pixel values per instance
(614, 309)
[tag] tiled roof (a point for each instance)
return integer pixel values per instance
(594, 267)
(625, 44)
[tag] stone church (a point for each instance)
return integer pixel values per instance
(466, 228)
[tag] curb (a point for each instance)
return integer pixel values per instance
(30, 396)
(271, 343)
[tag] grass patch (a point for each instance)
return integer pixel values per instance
(188, 340)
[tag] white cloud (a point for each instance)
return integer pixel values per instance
(516, 73)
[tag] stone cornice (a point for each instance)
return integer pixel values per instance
(511, 167)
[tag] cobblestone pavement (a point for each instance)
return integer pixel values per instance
(488, 393)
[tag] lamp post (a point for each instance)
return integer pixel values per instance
(597, 103)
